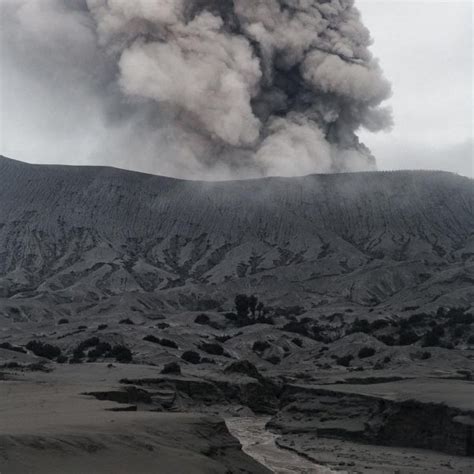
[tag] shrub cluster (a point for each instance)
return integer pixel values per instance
(7, 346)
(171, 368)
(428, 328)
(366, 352)
(126, 321)
(98, 348)
(78, 352)
(44, 350)
(297, 341)
(202, 319)
(121, 353)
(191, 356)
(161, 341)
(212, 348)
(249, 310)
(260, 346)
(345, 361)
(289, 311)
(274, 359)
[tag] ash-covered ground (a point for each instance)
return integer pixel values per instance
(122, 330)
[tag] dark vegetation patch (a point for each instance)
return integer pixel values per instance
(387, 339)
(212, 348)
(433, 337)
(121, 353)
(99, 349)
(171, 368)
(127, 321)
(406, 337)
(345, 361)
(192, 357)
(457, 316)
(306, 327)
(78, 352)
(298, 327)
(204, 320)
(444, 328)
(168, 343)
(9, 347)
(260, 346)
(297, 341)
(161, 341)
(249, 310)
(40, 366)
(274, 359)
(243, 367)
(42, 349)
(151, 338)
(208, 304)
(366, 352)
(360, 325)
(288, 311)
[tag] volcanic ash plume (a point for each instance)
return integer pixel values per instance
(250, 87)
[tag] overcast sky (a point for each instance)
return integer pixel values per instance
(425, 48)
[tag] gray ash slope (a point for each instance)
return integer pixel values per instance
(94, 239)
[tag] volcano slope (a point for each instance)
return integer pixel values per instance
(366, 280)
(75, 237)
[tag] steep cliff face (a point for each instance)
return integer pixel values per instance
(90, 237)
(382, 415)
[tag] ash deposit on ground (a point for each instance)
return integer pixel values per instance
(286, 308)
(332, 314)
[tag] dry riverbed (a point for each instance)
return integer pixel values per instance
(260, 443)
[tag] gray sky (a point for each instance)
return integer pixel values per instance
(425, 48)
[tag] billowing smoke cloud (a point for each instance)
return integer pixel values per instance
(207, 87)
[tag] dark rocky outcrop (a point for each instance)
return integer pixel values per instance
(422, 425)
(129, 395)
(257, 395)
